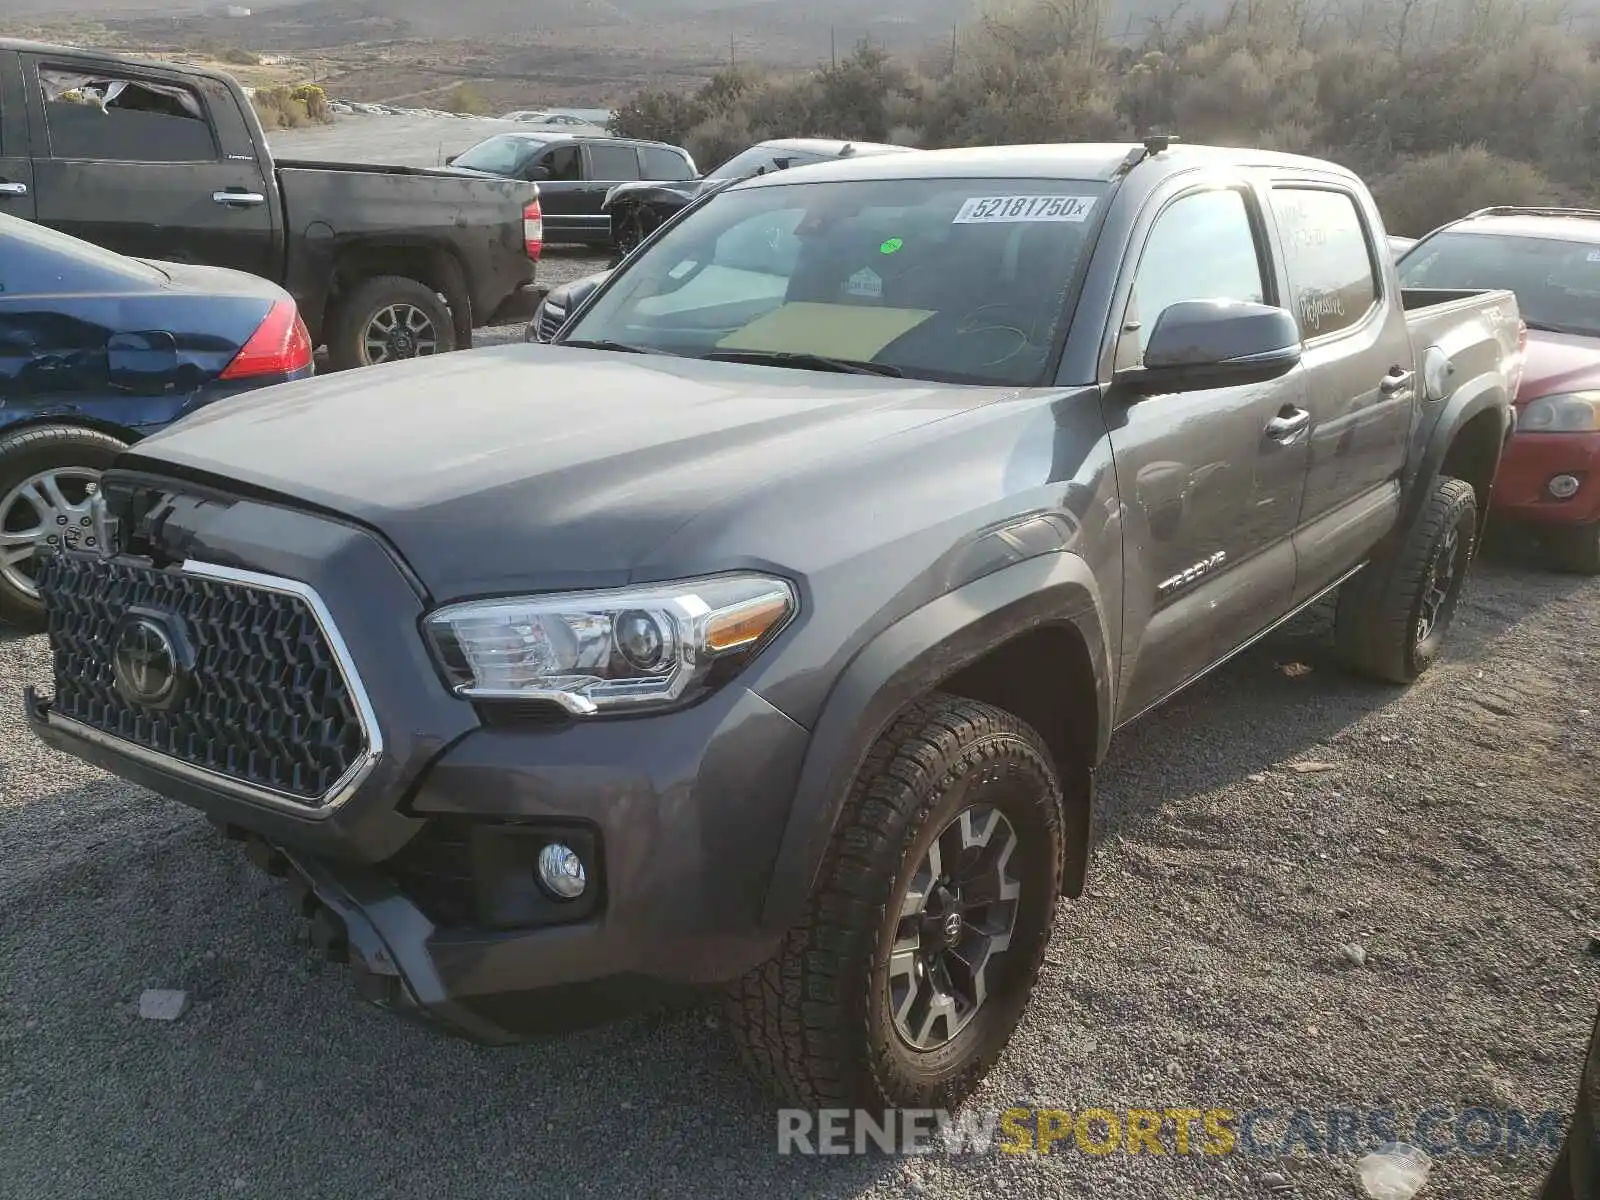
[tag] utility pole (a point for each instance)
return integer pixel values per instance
(954, 29)
(833, 48)
(733, 57)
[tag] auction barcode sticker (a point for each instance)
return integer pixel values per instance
(981, 210)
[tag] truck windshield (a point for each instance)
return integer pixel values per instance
(965, 280)
(503, 154)
(1557, 282)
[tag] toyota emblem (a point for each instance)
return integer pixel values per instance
(145, 663)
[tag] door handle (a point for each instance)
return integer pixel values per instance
(13, 189)
(242, 199)
(1395, 380)
(1288, 425)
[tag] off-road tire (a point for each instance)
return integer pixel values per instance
(27, 452)
(1376, 621)
(1579, 550)
(355, 311)
(813, 1022)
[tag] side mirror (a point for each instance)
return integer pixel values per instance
(537, 174)
(1215, 343)
(451, 161)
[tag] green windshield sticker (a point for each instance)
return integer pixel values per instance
(890, 246)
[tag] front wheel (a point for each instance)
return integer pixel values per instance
(388, 318)
(1392, 618)
(918, 952)
(48, 476)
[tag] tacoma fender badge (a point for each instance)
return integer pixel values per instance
(1188, 575)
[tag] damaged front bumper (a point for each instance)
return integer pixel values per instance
(399, 961)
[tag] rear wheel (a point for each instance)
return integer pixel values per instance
(48, 475)
(388, 318)
(918, 952)
(1392, 618)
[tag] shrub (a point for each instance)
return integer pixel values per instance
(465, 98)
(1426, 191)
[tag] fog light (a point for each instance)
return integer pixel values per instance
(561, 871)
(1563, 487)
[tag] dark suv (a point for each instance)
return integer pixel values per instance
(575, 173)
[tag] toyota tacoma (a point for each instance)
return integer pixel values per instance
(765, 630)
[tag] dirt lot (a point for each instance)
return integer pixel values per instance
(1452, 835)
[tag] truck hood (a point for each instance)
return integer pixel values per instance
(1558, 362)
(536, 466)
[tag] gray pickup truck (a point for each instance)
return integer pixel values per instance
(765, 631)
(168, 162)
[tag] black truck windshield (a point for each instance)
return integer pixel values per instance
(1557, 282)
(950, 279)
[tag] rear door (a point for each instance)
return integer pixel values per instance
(149, 163)
(1359, 373)
(16, 168)
(1211, 487)
(607, 163)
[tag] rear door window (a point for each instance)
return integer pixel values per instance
(105, 117)
(1327, 253)
(663, 164)
(612, 163)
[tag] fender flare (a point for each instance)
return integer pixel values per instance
(908, 660)
(1472, 398)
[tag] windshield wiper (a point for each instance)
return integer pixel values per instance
(608, 344)
(805, 362)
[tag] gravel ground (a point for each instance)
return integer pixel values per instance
(1450, 832)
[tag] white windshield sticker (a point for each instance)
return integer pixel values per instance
(982, 210)
(865, 282)
(1594, 256)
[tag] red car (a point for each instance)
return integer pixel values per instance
(1550, 257)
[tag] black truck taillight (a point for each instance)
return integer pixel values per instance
(281, 345)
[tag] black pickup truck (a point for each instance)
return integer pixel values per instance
(766, 630)
(169, 162)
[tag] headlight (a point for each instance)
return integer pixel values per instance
(1575, 413)
(602, 651)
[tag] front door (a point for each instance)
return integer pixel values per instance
(132, 160)
(16, 168)
(1210, 482)
(559, 174)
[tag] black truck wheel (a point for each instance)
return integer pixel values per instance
(1579, 551)
(48, 474)
(917, 953)
(1392, 618)
(387, 318)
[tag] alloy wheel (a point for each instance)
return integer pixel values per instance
(958, 915)
(1442, 581)
(400, 331)
(44, 511)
